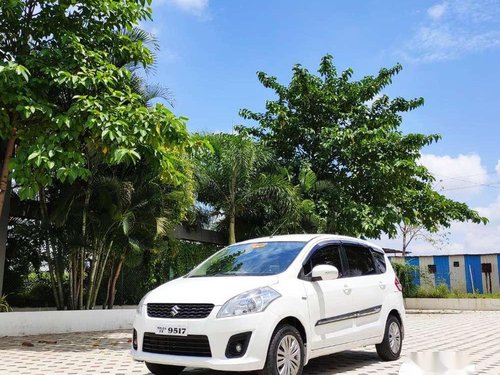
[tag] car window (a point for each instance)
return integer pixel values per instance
(329, 255)
(360, 261)
(379, 261)
(250, 259)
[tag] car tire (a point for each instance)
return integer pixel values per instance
(286, 344)
(390, 348)
(158, 369)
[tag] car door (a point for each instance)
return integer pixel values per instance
(368, 289)
(329, 301)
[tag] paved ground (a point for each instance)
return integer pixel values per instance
(474, 333)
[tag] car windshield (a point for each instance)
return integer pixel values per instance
(251, 259)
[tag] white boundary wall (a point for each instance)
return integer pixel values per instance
(22, 323)
(46, 322)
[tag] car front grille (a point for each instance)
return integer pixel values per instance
(190, 345)
(179, 310)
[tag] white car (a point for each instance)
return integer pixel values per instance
(272, 304)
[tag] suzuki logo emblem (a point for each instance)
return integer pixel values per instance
(174, 310)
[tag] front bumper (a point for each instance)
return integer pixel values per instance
(218, 331)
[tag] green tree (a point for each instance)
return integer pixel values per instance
(348, 133)
(71, 95)
(66, 90)
(148, 213)
(128, 211)
(238, 176)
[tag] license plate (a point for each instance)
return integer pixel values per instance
(172, 330)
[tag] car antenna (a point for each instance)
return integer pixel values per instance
(277, 229)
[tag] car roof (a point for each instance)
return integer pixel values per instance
(310, 237)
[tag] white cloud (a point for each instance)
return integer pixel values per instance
(463, 238)
(463, 173)
(455, 28)
(196, 7)
(437, 11)
(491, 211)
(479, 238)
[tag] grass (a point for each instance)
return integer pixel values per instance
(442, 291)
(4, 305)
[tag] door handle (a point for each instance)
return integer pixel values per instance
(381, 285)
(347, 290)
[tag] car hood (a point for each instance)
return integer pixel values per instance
(216, 290)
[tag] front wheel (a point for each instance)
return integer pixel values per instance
(286, 353)
(390, 348)
(158, 369)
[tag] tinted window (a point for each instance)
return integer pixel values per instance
(360, 260)
(329, 255)
(252, 259)
(379, 261)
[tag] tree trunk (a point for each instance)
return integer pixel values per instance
(100, 275)
(232, 209)
(90, 290)
(51, 275)
(232, 224)
(82, 249)
(55, 280)
(4, 177)
(112, 292)
(4, 224)
(5, 191)
(75, 283)
(404, 242)
(59, 273)
(111, 268)
(71, 285)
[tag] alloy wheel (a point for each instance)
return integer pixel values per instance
(288, 356)
(394, 337)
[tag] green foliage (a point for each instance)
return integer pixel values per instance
(4, 305)
(173, 259)
(185, 255)
(239, 179)
(67, 92)
(128, 212)
(442, 291)
(22, 256)
(405, 273)
(26, 283)
(35, 291)
(112, 169)
(347, 132)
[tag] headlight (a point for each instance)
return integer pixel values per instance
(141, 304)
(253, 301)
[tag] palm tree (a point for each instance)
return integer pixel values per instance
(238, 172)
(146, 215)
(128, 212)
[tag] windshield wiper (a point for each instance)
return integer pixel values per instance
(221, 274)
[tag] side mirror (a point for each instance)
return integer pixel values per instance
(324, 272)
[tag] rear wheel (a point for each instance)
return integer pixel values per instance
(158, 369)
(390, 348)
(286, 353)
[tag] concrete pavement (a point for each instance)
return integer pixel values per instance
(474, 333)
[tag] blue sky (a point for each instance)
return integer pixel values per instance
(450, 52)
